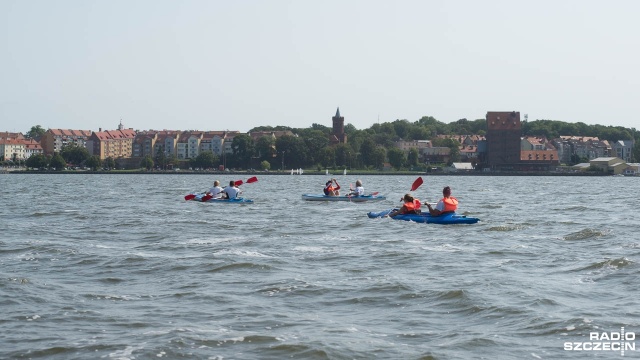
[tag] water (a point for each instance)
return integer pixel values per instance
(121, 267)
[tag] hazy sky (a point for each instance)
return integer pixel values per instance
(234, 64)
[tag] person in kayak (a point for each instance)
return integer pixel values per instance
(446, 205)
(216, 190)
(409, 206)
(358, 191)
(331, 190)
(231, 191)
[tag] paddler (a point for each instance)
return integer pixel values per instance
(409, 206)
(446, 205)
(331, 190)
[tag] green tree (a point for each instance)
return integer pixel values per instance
(328, 157)
(413, 157)
(367, 150)
(343, 155)
(265, 148)
(36, 132)
(147, 163)
(37, 161)
(378, 157)
(396, 158)
(316, 142)
(109, 163)
(161, 159)
(57, 162)
(94, 162)
(205, 160)
(265, 165)
(243, 149)
(74, 154)
(292, 152)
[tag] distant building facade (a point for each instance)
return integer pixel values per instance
(54, 140)
(503, 140)
(113, 144)
(337, 135)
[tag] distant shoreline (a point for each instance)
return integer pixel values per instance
(351, 173)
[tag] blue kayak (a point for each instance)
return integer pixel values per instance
(444, 219)
(322, 197)
(238, 200)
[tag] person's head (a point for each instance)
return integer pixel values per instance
(328, 183)
(232, 183)
(216, 183)
(408, 198)
(358, 183)
(446, 191)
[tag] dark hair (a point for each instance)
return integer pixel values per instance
(446, 190)
(232, 183)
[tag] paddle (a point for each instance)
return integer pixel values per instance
(416, 184)
(189, 197)
(249, 181)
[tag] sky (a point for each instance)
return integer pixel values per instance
(235, 65)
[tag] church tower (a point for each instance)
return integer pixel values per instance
(337, 134)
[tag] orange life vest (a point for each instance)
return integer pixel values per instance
(450, 204)
(409, 208)
(416, 204)
(329, 189)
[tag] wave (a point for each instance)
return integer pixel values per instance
(586, 234)
(608, 264)
(239, 266)
(507, 227)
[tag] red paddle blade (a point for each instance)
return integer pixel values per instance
(189, 197)
(416, 184)
(374, 193)
(252, 180)
(206, 198)
(238, 182)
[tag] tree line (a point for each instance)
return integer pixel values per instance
(365, 149)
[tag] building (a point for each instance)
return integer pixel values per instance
(632, 169)
(54, 140)
(10, 135)
(212, 141)
(584, 147)
(188, 146)
(538, 160)
(623, 149)
(610, 165)
(337, 135)
(12, 149)
(460, 167)
(435, 155)
(504, 130)
(31, 147)
(143, 144)
(412, 144)
(113, 144)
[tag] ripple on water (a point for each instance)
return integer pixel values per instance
(586, 234)
(608, 264)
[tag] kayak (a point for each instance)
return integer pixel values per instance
(322, 197)
(238, 200)
(444, 219)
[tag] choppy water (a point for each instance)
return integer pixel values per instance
(121, 267)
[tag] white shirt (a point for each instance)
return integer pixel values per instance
(232, 191)
(359, 191)
(216, 192)
(440, 205)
